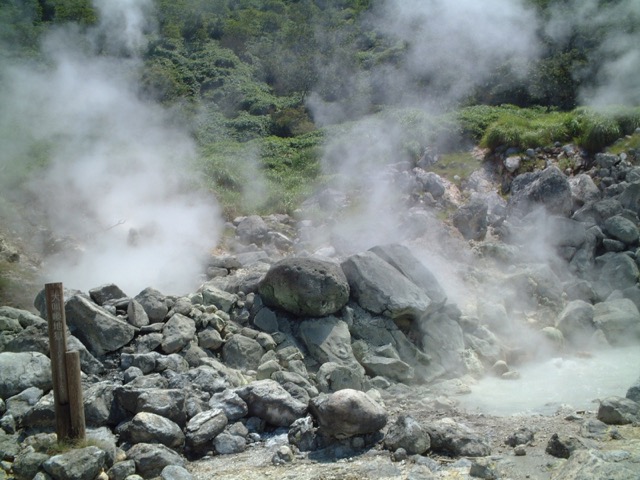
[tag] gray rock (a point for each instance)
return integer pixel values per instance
(389, 367)
(630, 197)
(618, 411)
(177, 333)
(100, 331)
(252, 229)
(168, 403)
(151, 459)
(19, 371)
(175, 472)
(265, 319)
(619, 320)
(106, 293)
(121, 470)
(576, 322)
(346, 413)
(136, 314)
(27, 463)
(615, 271)
(621, 228)
(305, 286)
(583, 190)
(154, 304)
(203, 428)
(408, 434)
(221, 299)
(268, 400)
(328, 340)
(634, 392)
(230, 403)
(210, 338)
(88, 363)
(380, 288)
(332, 377)
(227, 444)
(443, 339)
(596, 465)
(522, 436)
(242, 353)
(148, 427)
(563, 447)
(19, 404)
(303, 434)
(449, 437)
(401, 258)
(471, 219)
(432, 183)
(77, 464)
(548, 188)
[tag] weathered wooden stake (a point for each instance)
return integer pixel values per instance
(57, 350)
(65, 370)
(76, 401)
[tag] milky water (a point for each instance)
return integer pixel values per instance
(546, 386)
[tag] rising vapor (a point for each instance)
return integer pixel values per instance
(116, 183)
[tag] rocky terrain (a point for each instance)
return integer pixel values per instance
(303, 355)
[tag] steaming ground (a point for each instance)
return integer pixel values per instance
(574, 382)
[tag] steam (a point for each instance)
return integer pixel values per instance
(616, 59)
(115, 185)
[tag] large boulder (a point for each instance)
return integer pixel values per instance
(619, 320)
(100, 331)
(328, 340)
(76, 464)
(346, 413)
(19, 371)
(403, 260)
(305, 286)
(380, 288)
(548, 188)
(268, 400)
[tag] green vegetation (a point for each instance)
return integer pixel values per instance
(240, 74)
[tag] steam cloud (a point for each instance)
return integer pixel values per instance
(115, 182)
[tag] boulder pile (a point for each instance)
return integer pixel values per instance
(279, 339)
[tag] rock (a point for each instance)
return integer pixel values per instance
(227, 444)
(177, 332)
(597, 464)
(332, 377)
(154, 304)
(136, 314)
(306, 286)
(618, 411)
(303, 434)
(122, 470)
(407, 433)
(346, 413)
(151, 459)
(483, 468)
(621, 228)
(634, 392)
(19, 371)
(522, 436)
(106, 293)
(583, 190)
(391, 368)
(221, 299)
(455, 439)
(401, 258)
(615, 271)
(77, 464)
(268, 400)
(252, 229)
(471, 219)
(27, 463)
(443, 339)
(548, 188)
(230, 403)
(563, 447)
(100, 331)
(328, 340)
(175, 472)
(380, 288)
(619, 320)
(576, 322)
(148, 427)
(203, 428)
(242, 352)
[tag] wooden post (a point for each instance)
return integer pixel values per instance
(57, 350)
(76, 401)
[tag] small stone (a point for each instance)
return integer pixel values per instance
(520, 451)
(399, 455)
